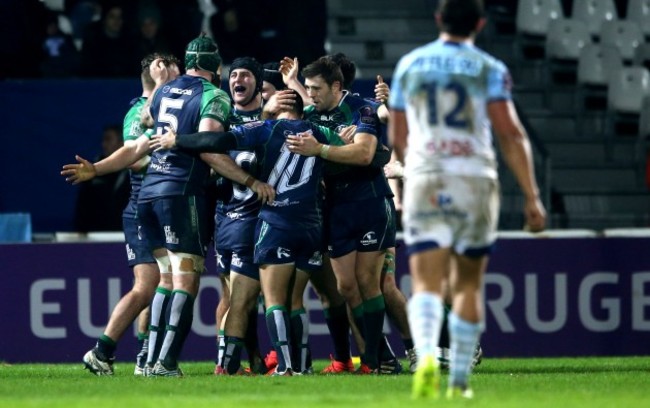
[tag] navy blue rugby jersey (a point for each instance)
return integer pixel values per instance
(181, 104)
(236, 203)
(296, 178)
(356, 183)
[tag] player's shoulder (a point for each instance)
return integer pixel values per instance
(488, 59)
(357, 103)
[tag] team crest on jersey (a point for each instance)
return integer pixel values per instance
(369, 238)
(367, 115)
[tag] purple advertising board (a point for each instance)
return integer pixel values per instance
(544, 297)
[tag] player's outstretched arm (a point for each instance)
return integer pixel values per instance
(289, 68)
(84, 170)
(125, 156)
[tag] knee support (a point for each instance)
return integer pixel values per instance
(183, 264)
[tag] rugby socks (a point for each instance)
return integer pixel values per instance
(232, 354)
(300, 352)
(338, 324)
(464, 336)
(181, 314)
(357, 316)
(425, 313)
(277, 321)
(142, 337)
(221, 347)
(143, 349)
(374, 311)
(386, 352)
(106, 348)
(251, 340)
(444, 331)
(157, 323)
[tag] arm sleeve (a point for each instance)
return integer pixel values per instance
(381, 157)
(207, 142)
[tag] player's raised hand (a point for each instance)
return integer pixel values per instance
(160, 73)
(79, 172)
(382, 91)
(304, 143)
(289, 68)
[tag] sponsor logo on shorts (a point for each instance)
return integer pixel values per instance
(370, 238)
(130, 254)
(170, 236)
(316, 259)
(283, 253)
(236, 261)
(220, 260)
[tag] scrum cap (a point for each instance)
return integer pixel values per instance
(202, 53)
(253, 66)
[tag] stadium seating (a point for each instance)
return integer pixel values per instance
(564, 42)
(532, 24)
(593, 13)
(623, 34)
(639, 12)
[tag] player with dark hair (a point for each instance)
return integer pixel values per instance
(288, 234)
(236, 218)
(172, 204)
(448, 96)
(100, 359)
(356, 244)
(273, 81)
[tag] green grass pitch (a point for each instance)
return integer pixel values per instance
(499, 383)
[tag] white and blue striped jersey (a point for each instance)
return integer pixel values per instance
(444, 88)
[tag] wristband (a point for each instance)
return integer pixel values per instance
(249, 181)
(324, 151)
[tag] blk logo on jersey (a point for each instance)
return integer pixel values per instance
(283, 253)
(170, 236)
(370, 238)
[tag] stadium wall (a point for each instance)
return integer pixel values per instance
(571, 296)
